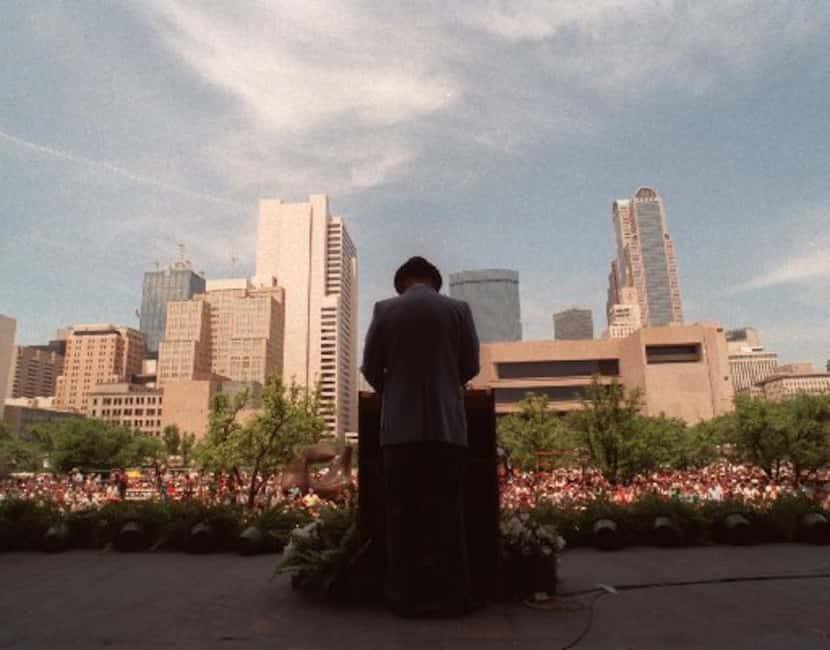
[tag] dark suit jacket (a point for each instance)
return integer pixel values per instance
(420, 350)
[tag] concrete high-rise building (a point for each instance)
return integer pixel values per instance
(749, 362)
(233, 330)
(97, 354)
(177, 282)
(573, 324)
(35, 370)
(493, 296)
(310, 254)
(645, 259)
(8, 326)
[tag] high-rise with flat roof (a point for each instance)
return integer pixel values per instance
(645, 259)
(97, 354)
(8, 326)
(177, 282)
(35, 370)
(573, 324)
(493, 296)
(233, 330)
(311, 255)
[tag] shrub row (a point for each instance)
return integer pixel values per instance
(169, 525)
(695, 523)
(166, 525)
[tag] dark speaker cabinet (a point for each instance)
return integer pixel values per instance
(481, 489)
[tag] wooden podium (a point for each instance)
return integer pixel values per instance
(481, 489)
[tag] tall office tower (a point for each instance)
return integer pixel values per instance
(97, 354)
(232, 330)
(7, 331)
(749, 362)
(645, 259)
(493, 296)
(185, 350)
(35, 369)
(177, 282)
(573, 324)
(309, 252)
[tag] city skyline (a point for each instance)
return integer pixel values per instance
(431, 151)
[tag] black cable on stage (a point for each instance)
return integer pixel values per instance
(603, 590)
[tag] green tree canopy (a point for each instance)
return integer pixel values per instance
(757, 433)
(172, 439)
(17, 454)
(94, 444)
(620, 441)
(535, 428)
(290, 418)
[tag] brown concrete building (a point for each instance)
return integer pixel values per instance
(35, 370)
(681, 370)
(187, 403)
(232, 330)
(132, 405)
(97, 354)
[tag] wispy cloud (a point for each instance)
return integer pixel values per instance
(810, 265)
(355, 93)
(115, 169)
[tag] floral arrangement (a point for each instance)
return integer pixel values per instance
(529, 553)
(324, 556)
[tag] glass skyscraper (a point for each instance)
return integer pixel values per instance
(645, 260)
(493, 296)
(178, 282)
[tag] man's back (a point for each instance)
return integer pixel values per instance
(420, 350)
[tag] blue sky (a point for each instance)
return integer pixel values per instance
(488, 134)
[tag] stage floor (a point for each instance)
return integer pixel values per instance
(90, 600)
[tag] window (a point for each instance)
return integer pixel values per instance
(684, 353)
(540, 369)
(554, 393)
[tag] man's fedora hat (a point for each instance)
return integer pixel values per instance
(417, 267)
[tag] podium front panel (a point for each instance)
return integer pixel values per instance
(481, 487)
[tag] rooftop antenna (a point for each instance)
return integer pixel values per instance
(181, 258)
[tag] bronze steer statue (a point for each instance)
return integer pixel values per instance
(330, 486)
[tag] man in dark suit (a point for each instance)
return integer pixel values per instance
(420, 351)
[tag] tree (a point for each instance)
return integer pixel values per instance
(172, 439)
(18, 454)
(807, 431)
(186, 445)
(758, 433)
(620, 442)
(533, 429)
(94, 444)
(694, 446)
(290, 418)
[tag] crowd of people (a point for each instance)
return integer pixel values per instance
(717, 482)
(80, 491)
(519, 489)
